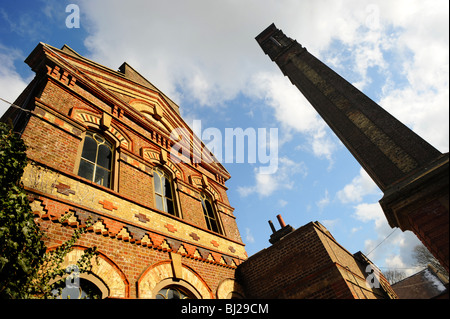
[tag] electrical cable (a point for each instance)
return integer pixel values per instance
(14, 105)
(381, 241)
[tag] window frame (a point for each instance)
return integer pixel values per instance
(181, 290)
(169, 178)
(115, 144)
(204, 196)
(184, 285)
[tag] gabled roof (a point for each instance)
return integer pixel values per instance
(109, 84)
(135, 76)
(425, 284)
(124, 70)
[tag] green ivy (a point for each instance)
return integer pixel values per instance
(26, 270)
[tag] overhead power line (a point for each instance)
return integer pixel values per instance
(14, 105)
(381, 242)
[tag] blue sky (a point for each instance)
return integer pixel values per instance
(203, 55)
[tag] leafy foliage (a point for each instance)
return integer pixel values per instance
(21, 248)
(26, 270)
(50, 275)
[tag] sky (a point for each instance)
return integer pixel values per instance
(203, 55)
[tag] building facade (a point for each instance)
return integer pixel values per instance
(99, 144)
(308, 263)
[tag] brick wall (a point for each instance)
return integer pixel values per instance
(192, 209)
(133, 259)
(305, 264)
(61, 98)
(277, 271)
(431, 225)
(135, 184)
(56, 146)
(230, 226)
(49, 144)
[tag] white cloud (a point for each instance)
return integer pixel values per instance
(249, 236)
(205, 53)
(293, 112)
(424, 103)
(267, 184)
(11, 83)
(391, 248)
(216, 40)
(282, 203)
(323, 202)
(371, 212)
(290, 106)
(427, 112)
(191, 50)
(360, 186)
(330, 223)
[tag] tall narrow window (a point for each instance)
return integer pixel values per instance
(96, 159)
(164, 198)
(210, 216)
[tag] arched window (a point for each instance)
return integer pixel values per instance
(211, 219)
(85, 289)
(174, 292)
(164, 197)
(96, 159)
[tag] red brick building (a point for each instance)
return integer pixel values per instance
(308, 263)
(100, 144)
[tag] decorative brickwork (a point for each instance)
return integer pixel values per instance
(170, 228)
(63, 189)
(215, 244)
(107, 205)
(134, 237)
(194, 236)
(142, 218)
(163, 270)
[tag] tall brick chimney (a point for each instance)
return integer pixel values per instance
(412, 174)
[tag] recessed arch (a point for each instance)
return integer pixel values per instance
(229, 288)
(189, 290)
(160, 275)
(93, 120)
(153, 156)
(105, 274)
(215, 194)
(153, 112)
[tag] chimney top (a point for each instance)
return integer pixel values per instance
(279, 234)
